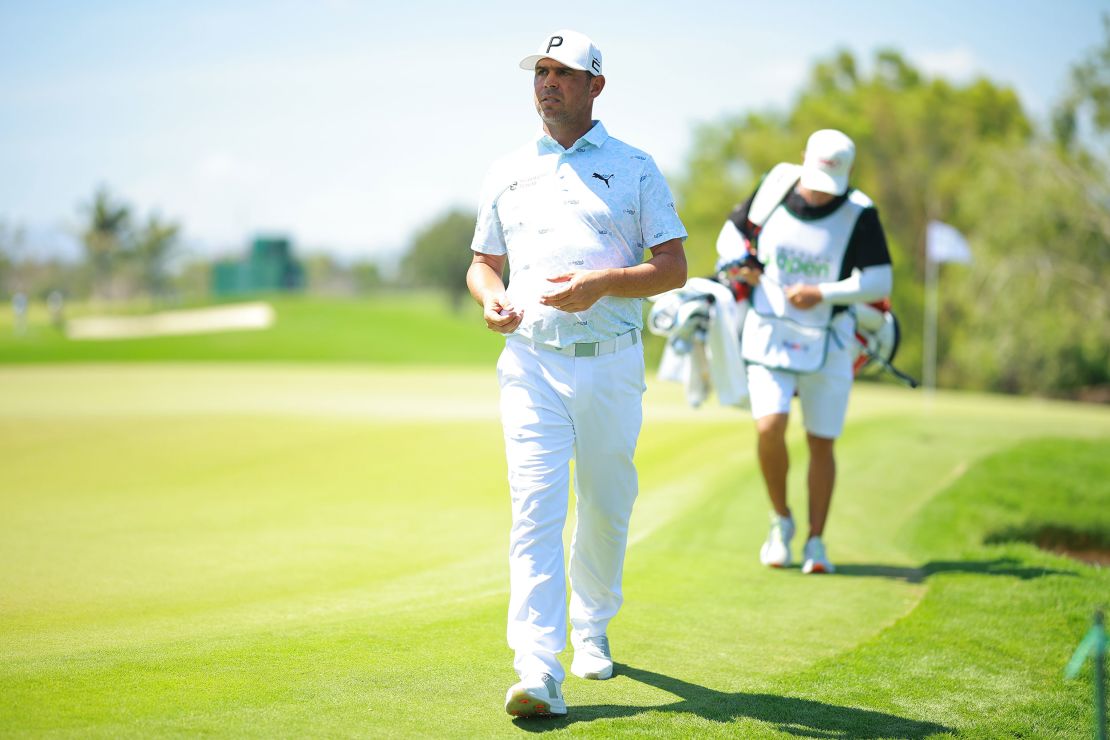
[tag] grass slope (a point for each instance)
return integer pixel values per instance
(259, 550)
(387, 328)
(384, 328)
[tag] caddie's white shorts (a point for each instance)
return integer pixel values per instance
(823, 394)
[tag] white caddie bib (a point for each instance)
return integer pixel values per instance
(796, 251)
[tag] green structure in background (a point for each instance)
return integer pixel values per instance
(269, 267)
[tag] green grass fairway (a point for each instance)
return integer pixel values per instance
(260, 550)
(390, 328)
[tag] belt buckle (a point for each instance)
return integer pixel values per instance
(586, 349)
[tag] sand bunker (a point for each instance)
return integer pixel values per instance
(238, 317)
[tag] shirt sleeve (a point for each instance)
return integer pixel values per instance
(737, 232)
(488, 236)
(869, 284)
(659, 221)
(867, 245)
(739, 216)
(731, 244)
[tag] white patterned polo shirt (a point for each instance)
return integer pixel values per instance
(597, 205)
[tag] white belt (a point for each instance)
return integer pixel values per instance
(590, 349)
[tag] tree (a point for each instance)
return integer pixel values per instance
(153, 247)
(11, 248)
(440, 255)
(1087, 100)
(104, 238)
(125, 259)
(367, 276)
(916, 138)
(1031, 313)
(1037, 288)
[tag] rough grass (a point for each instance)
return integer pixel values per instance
(293, 550)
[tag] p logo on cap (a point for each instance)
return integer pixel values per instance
(570, 48)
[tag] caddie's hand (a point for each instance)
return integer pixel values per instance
(576, 290)
(749, 275)
(803, 296)
(500, 315)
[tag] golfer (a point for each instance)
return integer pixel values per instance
(572, 212)
(820, 250)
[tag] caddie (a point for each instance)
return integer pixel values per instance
(817, 247)
(572, 213)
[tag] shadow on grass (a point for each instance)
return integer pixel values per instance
(997, 567)
(799, 717)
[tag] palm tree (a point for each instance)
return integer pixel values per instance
(154, 245)
(104, 238)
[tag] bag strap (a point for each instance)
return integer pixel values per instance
(772, 192)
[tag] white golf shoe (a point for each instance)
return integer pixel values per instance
(536, 696)
(592, 658)
(776, 550)
(815, 559)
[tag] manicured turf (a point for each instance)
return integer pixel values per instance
(388, 328)
(319, 550)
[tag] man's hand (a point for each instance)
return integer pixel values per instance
(749, 275)
(500, 315)
(803, 296)
(747, 270)
(579, 290)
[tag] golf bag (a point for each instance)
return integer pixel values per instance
(878, 335)
(701, 322)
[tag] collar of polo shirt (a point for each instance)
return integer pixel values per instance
(596, 136)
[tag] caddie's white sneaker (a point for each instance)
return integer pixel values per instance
(535, 696)
(815, 559)
(776, 550)
(592, 658)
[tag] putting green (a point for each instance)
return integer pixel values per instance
(305, 550)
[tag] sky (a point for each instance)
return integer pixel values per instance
(349, 125)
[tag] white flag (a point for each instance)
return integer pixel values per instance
(944, 243)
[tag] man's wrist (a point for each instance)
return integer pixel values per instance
(607, 278)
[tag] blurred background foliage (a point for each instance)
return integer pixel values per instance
(1029, 315)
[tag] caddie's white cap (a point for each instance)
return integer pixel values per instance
(828, 160)
(571, 48)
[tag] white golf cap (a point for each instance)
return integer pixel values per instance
(571, 48)
(828, 160)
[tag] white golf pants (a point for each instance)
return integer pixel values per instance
(555, 408)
